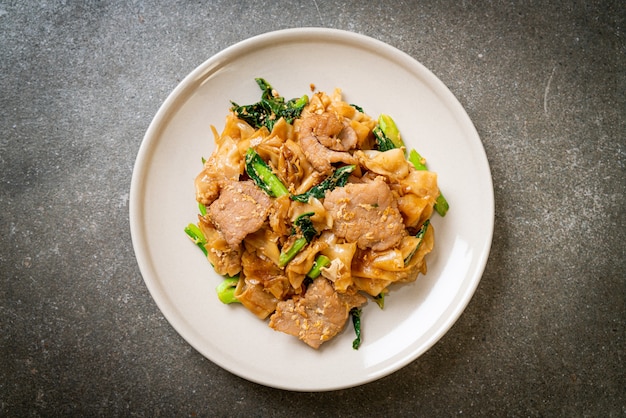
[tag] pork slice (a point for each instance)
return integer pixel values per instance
(241, 209)
(317, 316)
(366, 213)
(324, 139)
(320, 157)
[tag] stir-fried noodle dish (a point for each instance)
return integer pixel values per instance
(309, 207)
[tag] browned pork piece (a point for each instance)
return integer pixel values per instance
(366, 213)
(318, 316)
(241, 209)
(325, 139)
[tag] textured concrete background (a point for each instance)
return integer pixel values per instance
(545, 84)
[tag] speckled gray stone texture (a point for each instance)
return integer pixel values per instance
(544, 83)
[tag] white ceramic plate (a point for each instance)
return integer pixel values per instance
(375, 76)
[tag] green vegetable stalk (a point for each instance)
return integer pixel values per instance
(339, 178)
(380, 299)
(417, 160)
(226, 290)
(202, 209)
(355, 313)
(420, 236)
(263, 176)
(197, 237)
(303, 226)
(387, 134)
(320, 262)
(441, 204)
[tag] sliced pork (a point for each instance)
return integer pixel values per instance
(241, 209)
(324, 139)
(318, 316)
(366, 213)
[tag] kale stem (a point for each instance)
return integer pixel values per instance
(320, 262)
(420, 236)
(196, 236)
(303, 227)
(226, 290)
(263, 176)
(441, 204)
(286, 256)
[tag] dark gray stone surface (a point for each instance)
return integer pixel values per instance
(544, 83)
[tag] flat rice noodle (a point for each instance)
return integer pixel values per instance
(225, 163)
(415, 210)
(389, 260)
(279, 287)
(237, 128)
(338, 273)
(391, 164)
(309, 180)
(341, 256)
(225, 260)
(342, 109)
(265, 273)
(264, 243)
(363, 130)
(418, 261)
(421, 183)
(227, 160)
(389, 265)
(339, 106)
(270, 149)
(371, 286)
(282, 130)
(293, 166)
(317, 104)
(368, 264)
(321, 219)
(336, 96)
(255, 299)
(343, 251)
(408, 245)
(279, 215)
(297, 268)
